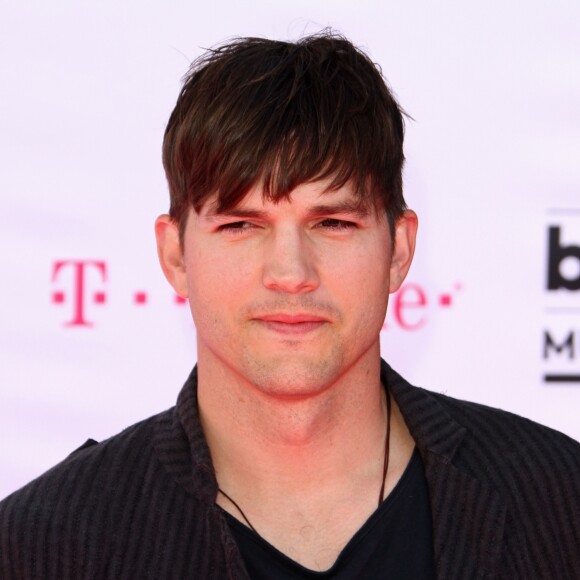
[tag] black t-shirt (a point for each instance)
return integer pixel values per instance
(395, 542)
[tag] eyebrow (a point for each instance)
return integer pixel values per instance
(349, 207)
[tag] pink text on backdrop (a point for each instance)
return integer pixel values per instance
(76, 283)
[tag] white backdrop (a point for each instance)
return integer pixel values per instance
(493, 162)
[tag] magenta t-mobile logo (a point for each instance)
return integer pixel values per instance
(79, 292)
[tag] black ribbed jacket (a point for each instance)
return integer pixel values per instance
(505, 498)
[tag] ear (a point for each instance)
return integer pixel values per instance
(170, 253)
(403, 248)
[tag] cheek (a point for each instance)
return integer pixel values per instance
(216, 283)
(365, 272)
(364, 284)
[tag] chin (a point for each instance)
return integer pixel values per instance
(293, 375)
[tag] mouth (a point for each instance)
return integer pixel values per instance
(291, 323)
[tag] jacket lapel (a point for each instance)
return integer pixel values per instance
(468, 513)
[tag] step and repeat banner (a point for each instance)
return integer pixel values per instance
(92, 338)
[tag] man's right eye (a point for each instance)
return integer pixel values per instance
(236, 227)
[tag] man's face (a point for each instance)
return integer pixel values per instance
(288, 296)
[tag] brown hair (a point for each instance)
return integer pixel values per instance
(278, 114)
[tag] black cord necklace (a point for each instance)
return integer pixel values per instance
(385, 468)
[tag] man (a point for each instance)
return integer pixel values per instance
(293, 450)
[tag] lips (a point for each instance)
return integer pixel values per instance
(291, 323)
(291, 318)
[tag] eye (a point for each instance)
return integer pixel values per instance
(336, 225)
(236, 227)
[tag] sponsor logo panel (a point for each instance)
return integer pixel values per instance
(560, 335)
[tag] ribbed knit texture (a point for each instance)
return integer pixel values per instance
(505, 498)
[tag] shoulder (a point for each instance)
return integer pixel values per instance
(480, 439)
(91, 467)
(93, 458)
(452, 427)
(509, 433)
(448, 425)
(535, 469)
(123, 508)
(83, 499)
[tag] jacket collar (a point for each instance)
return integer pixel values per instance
(181, 445)
(468, 513)
(432, 428)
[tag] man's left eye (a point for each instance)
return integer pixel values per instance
(334, 224)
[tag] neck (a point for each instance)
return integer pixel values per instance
(273, 444)
(306, 471)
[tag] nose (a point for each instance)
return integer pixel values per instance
(290, 263)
